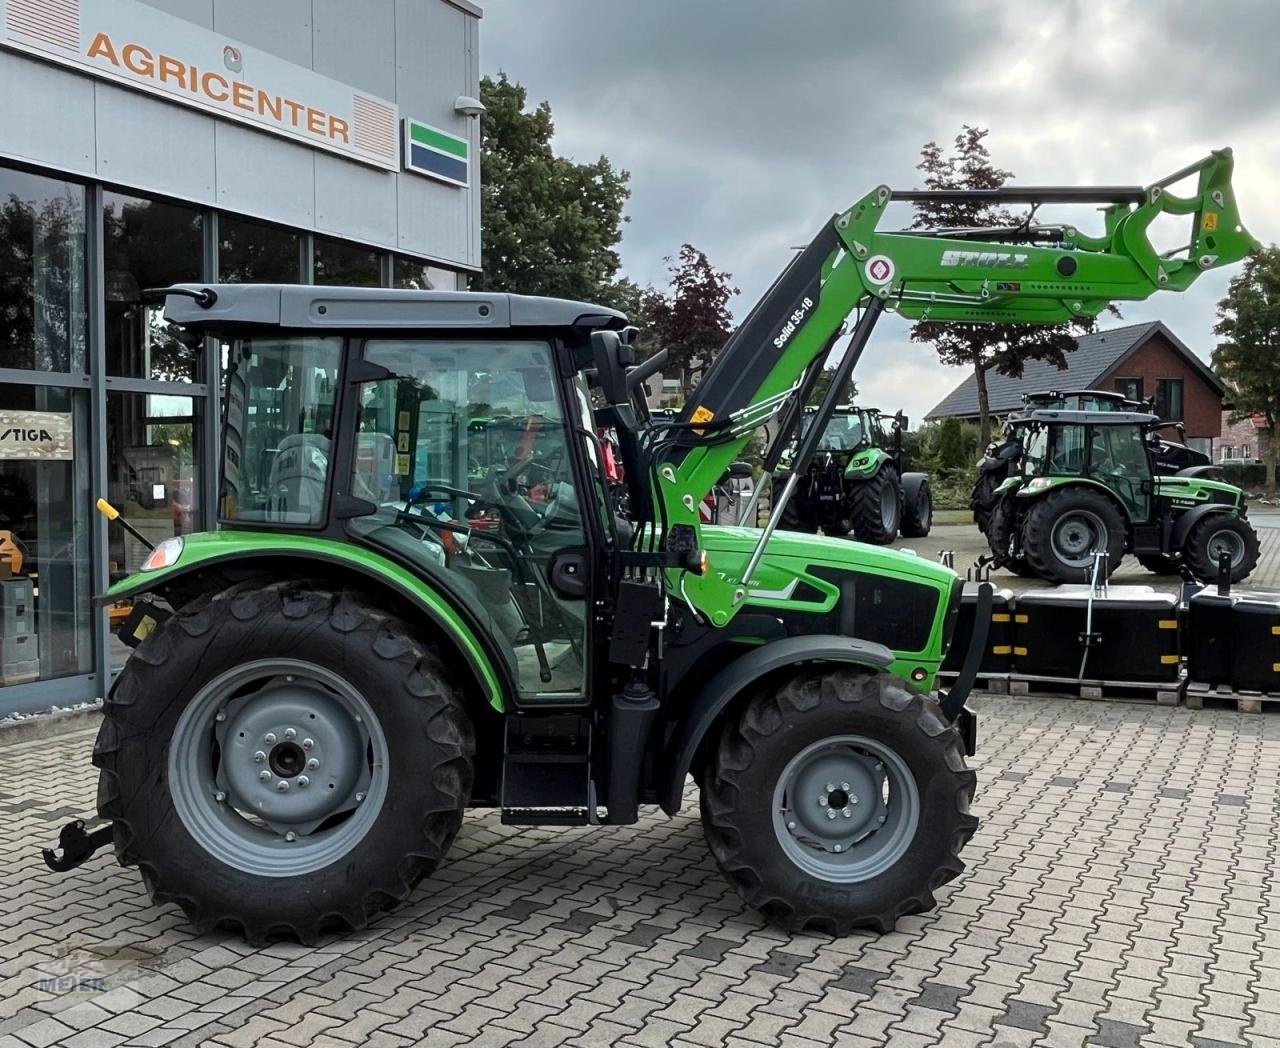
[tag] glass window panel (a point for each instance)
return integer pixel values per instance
(45, 584)
(422, 276)
(153, 470)
(42, 273)
(280, 394)
(346, 265)
(147, 244)
(1129, 388)
(464, 457)
(1168, 404)
(255, 253)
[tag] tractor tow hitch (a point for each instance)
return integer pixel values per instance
(76, 845)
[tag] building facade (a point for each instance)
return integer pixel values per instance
(147, 143)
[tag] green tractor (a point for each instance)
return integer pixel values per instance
(1087, 482)
(857, 481)
(389, 627)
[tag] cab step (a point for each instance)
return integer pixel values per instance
(546, 816)
(546, 770)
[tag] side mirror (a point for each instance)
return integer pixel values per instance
(901, 421)
(741, 470)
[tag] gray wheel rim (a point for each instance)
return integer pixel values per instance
(926, 509)
(1076, 535)
(278, 767)
(889, 510)
(845, 809)
(1225, 541)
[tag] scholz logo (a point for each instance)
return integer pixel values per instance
(231, 59)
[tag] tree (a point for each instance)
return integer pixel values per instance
(1248, 357)
(692, 320)
(550, 225)
(1004, 348)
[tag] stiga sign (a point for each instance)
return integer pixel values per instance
(41, 435)
(143, 48)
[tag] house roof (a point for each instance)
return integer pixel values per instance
(1095, 356)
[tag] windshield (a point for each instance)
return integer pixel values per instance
(843, 433)
(280, 395)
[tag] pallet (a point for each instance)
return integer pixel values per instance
(1162, 693)
(1244, 701)
(991, 683)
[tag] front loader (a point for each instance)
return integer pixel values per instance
(395, 622)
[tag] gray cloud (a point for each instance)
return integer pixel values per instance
(745, 123)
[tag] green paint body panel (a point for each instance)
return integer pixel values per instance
(209, 547)
(1196, 489)
(866, 463)
(793, 555)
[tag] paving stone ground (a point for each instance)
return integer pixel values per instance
(1121, 890)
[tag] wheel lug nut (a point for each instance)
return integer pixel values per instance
(303, 781)
(221, 715)
(791, 825)
(290, 678)
(308, 743)
(848, 814)
(853, 799)
(831, 787)
(291, 836)
(283, 786)
(822, 802)
(259, 757)
(289, 733)
(831, 813)
(269, 738)
(264, 775)
(219, 796)
(359, 798)
(313, 764)
(839, 848)
(844, 786)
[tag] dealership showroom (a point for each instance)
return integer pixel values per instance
(306, 141)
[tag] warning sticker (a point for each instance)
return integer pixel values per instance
(701, 414)
(879, 269)
(1210, 223)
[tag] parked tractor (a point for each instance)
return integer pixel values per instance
(857, 481)
(389, 627)
(1082, 482)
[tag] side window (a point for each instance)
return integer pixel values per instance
(465, 454)
(1066, 453)
(279, 422)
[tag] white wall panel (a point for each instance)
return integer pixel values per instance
(264, 176)
(46, 116)
(355, 43)
(355, 201)
(153, 145)
(197, 12)
(280, 27)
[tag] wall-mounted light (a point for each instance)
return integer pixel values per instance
(468, 106)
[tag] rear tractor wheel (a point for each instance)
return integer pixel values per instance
(283, 761)
(1064, 529)
(838, 801)
(917, 513)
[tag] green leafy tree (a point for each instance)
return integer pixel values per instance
(691, 320)
(551, 226)
(1248, 357)
(1004, 348)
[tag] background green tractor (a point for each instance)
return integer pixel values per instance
(857, 481)
(1087, 481)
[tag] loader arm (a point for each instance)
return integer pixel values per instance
(1041, 274)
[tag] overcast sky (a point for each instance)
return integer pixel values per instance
(746, 123)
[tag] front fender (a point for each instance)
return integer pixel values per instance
(280, 553)
(1183, 525)
(726, 685)
(865, 464)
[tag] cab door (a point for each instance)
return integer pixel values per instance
(1118, 459)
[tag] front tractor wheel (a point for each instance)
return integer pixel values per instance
(1215, 535)
(878, 508)
(283, 761)
(1064, 529)
(838, 801)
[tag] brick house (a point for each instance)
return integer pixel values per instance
(1245, 440)
(1139, 360)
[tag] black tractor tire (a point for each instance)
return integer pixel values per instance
(917, 513)
(984, 499)
(1161, 563)
(837, 527)
(1002, 521)
(1208, 536)
(417, 808)
(776, 728)
(878, 507)
(795, 518)
(1072, 513)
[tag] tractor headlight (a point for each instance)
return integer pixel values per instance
(1038, 484)
(164, 555)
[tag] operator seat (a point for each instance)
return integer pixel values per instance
(296, 483)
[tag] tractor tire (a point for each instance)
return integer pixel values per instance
(838, 527)
(917, 514)
(794, 518)
(1161, 563)
(1217, 533)
(1002, 521)
(878, 508)
(1063, 528)
(283, 761)
(898, 806)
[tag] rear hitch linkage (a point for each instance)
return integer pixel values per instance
(76, 845)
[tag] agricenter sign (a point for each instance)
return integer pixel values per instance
(152, 51)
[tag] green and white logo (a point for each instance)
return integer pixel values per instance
(436, 154)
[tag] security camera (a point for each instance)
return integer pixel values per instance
(468, 106)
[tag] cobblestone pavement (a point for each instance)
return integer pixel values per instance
(1121, 891)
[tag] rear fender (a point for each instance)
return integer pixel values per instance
(714, 698)
(911, 485)
(205, 565)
